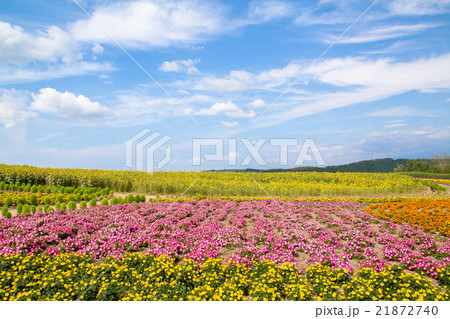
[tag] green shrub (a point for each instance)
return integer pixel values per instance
(26, 209)
(71, 205)
(78, 197)
(33, 209)
(46, 208)
(60, 198)
(6, 187)
(33, 199)
(114, 201)
(63, 206)
(104, 202)
(129, 199)
(19, 208)
(20, 189)
(8, 201)
(47, 200)
(40, 189)
(50, 209)
(83, 204)
(22, 200)
(92, 203)
(2, 185)
(34, 189)
(48, 190)
(4, 211)
(62, 189)
(39, 209)
(70, 198)
(28, 187)
(120, 199)
(58, 205)
(8, 215)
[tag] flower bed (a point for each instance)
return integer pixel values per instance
(146, 277)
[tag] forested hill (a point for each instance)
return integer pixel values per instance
(384, 165)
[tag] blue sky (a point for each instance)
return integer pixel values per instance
(71, 97)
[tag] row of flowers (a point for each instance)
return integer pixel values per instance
(216, 183)
(335, 234)
(430, 215)
(148, 277)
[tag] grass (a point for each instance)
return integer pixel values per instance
(426, 174)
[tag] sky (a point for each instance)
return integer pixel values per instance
(361, 79)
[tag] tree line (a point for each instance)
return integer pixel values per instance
(438, 164)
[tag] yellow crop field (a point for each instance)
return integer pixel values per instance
(216, 183)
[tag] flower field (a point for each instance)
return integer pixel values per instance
(221, 250)
(146, 277)
(430, 215)
(292, 184)
(328, 236)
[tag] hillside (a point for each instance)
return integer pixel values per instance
(384, 165)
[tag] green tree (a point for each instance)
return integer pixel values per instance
(71, 205)
(442, 162)
(33, 199)
(417, 165)
(8, 202)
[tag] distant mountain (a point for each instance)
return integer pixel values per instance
(383, 165)
(249, 170)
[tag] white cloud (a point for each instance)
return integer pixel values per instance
(419, 7)
(180, 66)
(261, 11)
(331, 12)
(384, 33)
(447, 100)
(421, 74)
(229, 108)
(256, 104)
(49, 54)
(420, 135)
(19, 47)
(239, 80)
(152, 23)
(136, 106)
(363, 80)
(398, 111)
(13, 107)
(230, 124)
(66, 104)
(97, 49)
(13, 75)
(395, 125)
